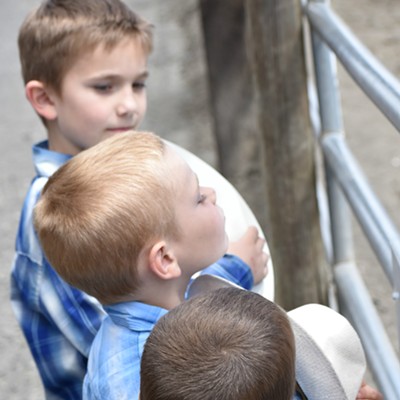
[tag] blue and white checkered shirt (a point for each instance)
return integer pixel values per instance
(114, 361)
(60, 322)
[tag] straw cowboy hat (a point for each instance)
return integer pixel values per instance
(330, 360)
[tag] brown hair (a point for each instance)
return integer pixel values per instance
(229, 344)
(100, 209)
(54, 35)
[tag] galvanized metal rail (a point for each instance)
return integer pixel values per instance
(347, 186)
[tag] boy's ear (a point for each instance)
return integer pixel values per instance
(40, 98)
(162, 261)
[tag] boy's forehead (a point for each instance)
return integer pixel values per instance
(178, 166)
(125, 57)
(127, 46)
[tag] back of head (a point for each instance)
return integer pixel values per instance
(99, 210)
(229, 344)
(53, 36)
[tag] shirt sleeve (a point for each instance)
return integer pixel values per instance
(233, 269)
(59, 323)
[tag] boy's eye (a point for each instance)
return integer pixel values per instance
(202, 197)
(139, 85)
(103, 87)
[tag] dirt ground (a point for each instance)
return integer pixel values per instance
(373, 140)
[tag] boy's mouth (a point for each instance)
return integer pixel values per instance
(120, 129)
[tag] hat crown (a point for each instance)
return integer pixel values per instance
(330, 360)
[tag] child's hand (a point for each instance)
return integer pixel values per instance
(367, 392)
(250, 248)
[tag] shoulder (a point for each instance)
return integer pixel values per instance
(27, 243)
(114, 363)
(46, 161)
(116, 386)
(114, 346)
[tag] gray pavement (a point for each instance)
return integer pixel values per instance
(19, 128)
(179, 107)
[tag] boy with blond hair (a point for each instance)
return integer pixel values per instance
(127, 222)
(84, 65)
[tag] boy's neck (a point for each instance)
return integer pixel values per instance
(58, 143)
(165, 294)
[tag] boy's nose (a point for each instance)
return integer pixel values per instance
(127, 104)
(211, 195)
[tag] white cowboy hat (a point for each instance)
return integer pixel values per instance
(330, 360)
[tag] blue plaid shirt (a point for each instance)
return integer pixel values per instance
(114, 361)
(60, 322)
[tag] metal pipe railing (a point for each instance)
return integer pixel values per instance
(347, 185)
(371, 76)
(375, 222)
(331, 121)
(383, 238)
(356, 304)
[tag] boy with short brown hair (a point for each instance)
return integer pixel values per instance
(84, 65)
(229, 344)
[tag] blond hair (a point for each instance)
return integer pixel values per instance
(102, 208)
(230, 344)
(54, 35)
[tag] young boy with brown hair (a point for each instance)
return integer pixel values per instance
(226, 343)
(84, 65)
(229, 344)
(127, 222)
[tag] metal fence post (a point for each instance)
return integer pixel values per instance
(355, 299)
(331, 123)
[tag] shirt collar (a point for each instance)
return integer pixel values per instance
(47, 161)
(135, 315)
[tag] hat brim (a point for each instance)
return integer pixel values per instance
(330, 360)
(314, 373)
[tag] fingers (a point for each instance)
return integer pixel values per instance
(260, 242)
(250, 248)
(251, 234)
(367, 392)
(265, 258)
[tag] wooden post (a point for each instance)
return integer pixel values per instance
(278, 61)
(232, 100)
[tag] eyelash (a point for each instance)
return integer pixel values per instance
(139, 85)
(107, 87)
(103, 88)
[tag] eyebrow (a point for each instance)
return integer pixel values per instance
(142, 75)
